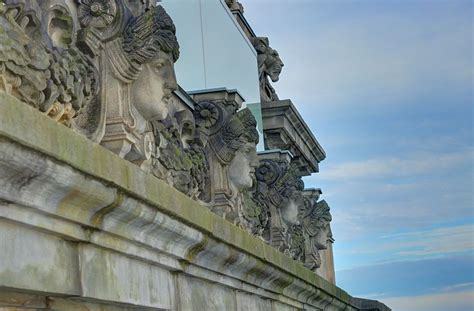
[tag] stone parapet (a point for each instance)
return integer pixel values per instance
(84, 228)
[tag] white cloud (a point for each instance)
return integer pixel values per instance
(386, 167)
(440, 241)
(458, 287)
(463, 301)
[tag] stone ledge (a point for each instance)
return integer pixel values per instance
(26, 126)
(284, 128)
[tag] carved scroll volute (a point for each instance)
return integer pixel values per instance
(210, 118)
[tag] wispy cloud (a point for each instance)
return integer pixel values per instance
(462, 301)
(459, 287)
(440, 241)
(389, 167)
(441, 275)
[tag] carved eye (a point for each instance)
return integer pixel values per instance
(158, 67)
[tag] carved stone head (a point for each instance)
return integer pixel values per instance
(279, 194)
(283, 188)
(151, 49)
(235, 145)
(269, 66)
(229, 138)
(269, 62)
(138, 80)
(320, 219)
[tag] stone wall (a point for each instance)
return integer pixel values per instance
(83, 229)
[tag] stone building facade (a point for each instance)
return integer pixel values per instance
(121, 188)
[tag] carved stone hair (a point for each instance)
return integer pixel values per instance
(239, 130)
(315, 217)
(261, 44)
(322, 213)
(279, 179)
(148, 34)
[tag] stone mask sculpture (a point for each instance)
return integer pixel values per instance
(269, 66)
(279, 196)
(315, 221)
(139, 76)
(231, 153)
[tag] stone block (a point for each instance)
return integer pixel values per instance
(35, 261)
(277, 306)
(252, 302)
(198, 295)
(110, 276)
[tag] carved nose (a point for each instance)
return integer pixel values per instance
(255, 161)
(172, 84)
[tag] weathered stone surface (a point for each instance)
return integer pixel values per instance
(199, 295)
(41, 65)
(12, 299)
(31, 260)
(113, 277)
(272, 209)
(235, 5)
(327, 269)
(106, 69)
(147, 224)
(252, 302)
(281, 307)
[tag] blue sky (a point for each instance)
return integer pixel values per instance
(386, 86)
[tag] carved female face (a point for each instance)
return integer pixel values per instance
(322, 237)
(290, 209)
(152, 90)
(242, 168)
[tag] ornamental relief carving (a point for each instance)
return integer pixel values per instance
(105, 68)
(41, 65)
(269, 68)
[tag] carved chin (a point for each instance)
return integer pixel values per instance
(243, 183)
(275, 76)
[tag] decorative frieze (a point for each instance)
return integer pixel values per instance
(105, 68)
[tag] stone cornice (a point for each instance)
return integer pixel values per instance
(284, 128)
(91, 186)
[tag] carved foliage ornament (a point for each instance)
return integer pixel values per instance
(51, 75)
(97, 13)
